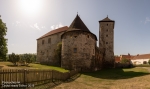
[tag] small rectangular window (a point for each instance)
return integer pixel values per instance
(88, 36)
(106, 35)
(93, 51)
(106, 42)
(42, 41)
(49, 40)
(75, 50)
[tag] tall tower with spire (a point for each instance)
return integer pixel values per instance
(106, 42)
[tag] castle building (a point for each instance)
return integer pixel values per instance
(78, 46)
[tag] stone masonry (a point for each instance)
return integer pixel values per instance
(46, 46)
(78, 48)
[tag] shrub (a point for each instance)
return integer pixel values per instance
(124, 60)
(144, 62)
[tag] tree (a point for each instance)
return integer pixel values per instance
(57, 54)
(3, 40)
(124, 60)
(27, 58)
(14, 58)
(33, 58)
(149, 61)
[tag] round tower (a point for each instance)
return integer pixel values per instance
(78, 46)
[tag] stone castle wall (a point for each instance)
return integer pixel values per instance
(45, 52)
(78, 50)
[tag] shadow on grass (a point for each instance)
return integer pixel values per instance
(117, 73)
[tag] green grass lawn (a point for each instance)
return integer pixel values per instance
(142, 65)
(126, 78)
(32, 66)
(39, 66)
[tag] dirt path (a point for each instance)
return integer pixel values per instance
(4, 66)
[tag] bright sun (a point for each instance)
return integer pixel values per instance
(30, 6)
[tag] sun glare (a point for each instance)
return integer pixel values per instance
(30, 6)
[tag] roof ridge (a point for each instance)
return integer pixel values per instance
(61, 29)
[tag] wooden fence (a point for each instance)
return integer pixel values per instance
(33, 76)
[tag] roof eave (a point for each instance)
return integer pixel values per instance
(79, 30)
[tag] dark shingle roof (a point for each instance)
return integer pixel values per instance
(106, 20)
(62, 29)
(78, 24)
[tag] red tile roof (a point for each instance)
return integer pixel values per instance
(117, 59)
(142, 56)
(62, 29)
(132, 57)
(126, 56)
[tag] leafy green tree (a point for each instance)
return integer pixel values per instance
(3, 41)
(33, 58)
(14, 58)
(124, 60)
(28, 58)
(57, 53)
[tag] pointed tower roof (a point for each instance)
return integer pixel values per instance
(106, 20)
(78, 24)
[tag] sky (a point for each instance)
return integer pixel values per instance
(28, 20)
